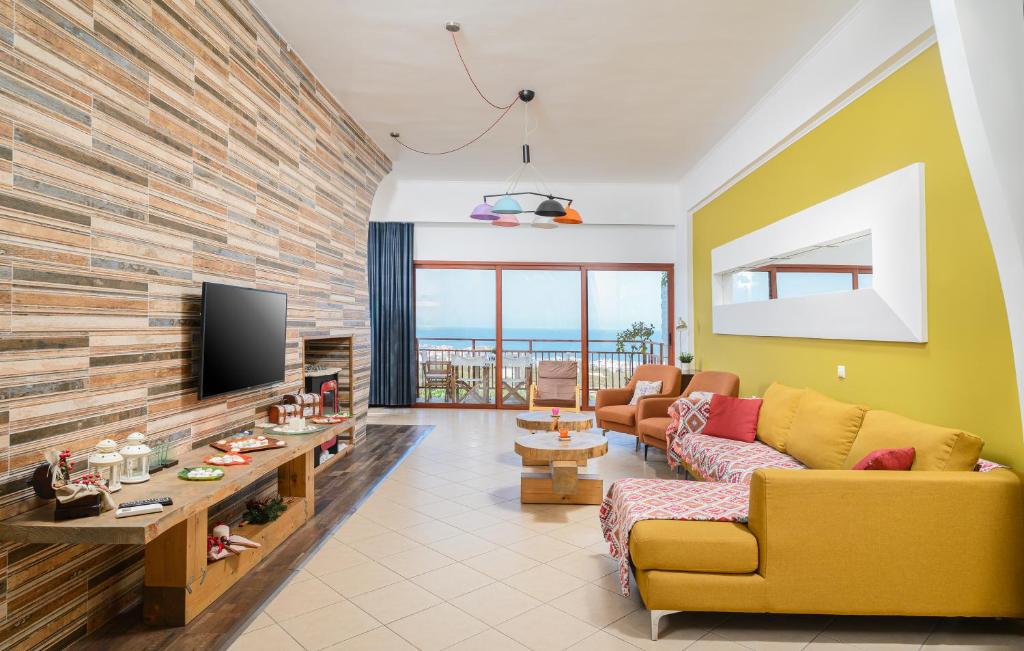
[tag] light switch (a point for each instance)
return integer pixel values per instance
(841, 372)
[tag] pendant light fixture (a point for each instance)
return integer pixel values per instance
(551, 211)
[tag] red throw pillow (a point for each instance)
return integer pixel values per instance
(733, 418)
(887, 459)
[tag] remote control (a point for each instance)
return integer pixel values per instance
(163, 501)
(128, 511)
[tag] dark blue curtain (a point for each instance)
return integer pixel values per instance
(392, 315)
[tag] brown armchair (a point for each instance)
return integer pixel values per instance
(612, 408)
(653, 419)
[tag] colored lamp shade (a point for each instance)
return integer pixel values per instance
(550, 208)
(571, 216)
(543, 222)
(506, 220)
(483, 212)
(507, 206)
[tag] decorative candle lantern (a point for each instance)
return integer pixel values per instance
(135, 469)
(106, 462)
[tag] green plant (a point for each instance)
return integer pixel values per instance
(685, 358)
(638, 336)
(265, 510)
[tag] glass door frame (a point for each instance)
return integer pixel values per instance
(582, 268)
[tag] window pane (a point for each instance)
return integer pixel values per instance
(749, 286)
(455, 330)
(799, 283)
(617, 300)
(865, 281)
(540, 320)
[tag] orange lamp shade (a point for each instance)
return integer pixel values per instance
(571, 216)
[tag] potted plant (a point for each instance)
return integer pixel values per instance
(686, 362)
(638, 336)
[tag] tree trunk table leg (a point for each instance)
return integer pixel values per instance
(563, 477)
(175, 568)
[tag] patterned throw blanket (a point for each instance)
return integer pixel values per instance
(631, 500)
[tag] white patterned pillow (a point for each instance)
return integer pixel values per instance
(645, 388)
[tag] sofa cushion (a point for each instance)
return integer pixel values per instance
(689, 546)
(645, 388)
(936, 448)
(777, 411)
(823, 431)
(724, 460)
(622, 414)
(654, 427)
(887, 459)
(733, 418)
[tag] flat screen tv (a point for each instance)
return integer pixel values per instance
(242, 342)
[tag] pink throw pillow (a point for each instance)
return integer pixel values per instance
(733, 418)
(887, 459)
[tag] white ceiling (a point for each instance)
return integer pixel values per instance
(634, 90)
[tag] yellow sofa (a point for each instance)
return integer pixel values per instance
(838, 541)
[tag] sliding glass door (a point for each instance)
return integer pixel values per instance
(482, 328)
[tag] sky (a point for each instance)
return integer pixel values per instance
(536, 299)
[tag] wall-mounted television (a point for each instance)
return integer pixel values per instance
(242, 341)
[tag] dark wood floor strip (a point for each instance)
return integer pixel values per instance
(340, 490)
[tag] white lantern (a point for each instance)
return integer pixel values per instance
(135, 469)
(106, 462)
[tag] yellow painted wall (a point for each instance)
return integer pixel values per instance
(963, 376)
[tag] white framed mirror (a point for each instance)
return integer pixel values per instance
(851, 267)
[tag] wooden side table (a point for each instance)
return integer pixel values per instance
(561, 482)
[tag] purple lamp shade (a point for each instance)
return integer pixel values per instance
(483, 211)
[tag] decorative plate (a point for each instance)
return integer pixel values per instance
(218, 459)
(308, 429)
(329, 420)
(230, 444)
(215, 473)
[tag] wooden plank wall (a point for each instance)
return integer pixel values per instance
(147, 146)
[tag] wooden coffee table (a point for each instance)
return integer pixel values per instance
(543, 421)
(560, 482)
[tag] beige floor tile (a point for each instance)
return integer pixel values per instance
(270, 638)
(416, 561)
(357, 528)
(395, 601)
(880, 632)
(543, 548)
(477, 500)
(676, 631)
(595, 605)
(449, 490)
(963, 634)
(429, 532)
(395, 517)
(422, 480)
(544, 582)
(505, 533)
(602, 641)
(500, 563)
(331, 557)
(463, 546)
(472, 520)
(545, 628)
(298, 576)
(329, 625)
(361, 578)
(759, 631)
(443, 508)
(385, 544)
(580, 534)
(712, 642)
(586, 564)
(297, 599)
(489, 640)
(453, 580)
(438, 627)
(495, 603)
(379, 639)
(262, 620)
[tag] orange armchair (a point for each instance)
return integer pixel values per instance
(653, 418)
(612, 407)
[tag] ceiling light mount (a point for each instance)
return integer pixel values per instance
(526, 94)
(453, 26)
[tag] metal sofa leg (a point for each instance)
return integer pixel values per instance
(638, 444)
(646, 447)
(656, 616)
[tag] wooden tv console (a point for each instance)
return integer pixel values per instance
(179, 583)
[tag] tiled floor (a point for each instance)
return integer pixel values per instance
(443, 556)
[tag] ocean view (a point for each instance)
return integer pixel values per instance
(442, 337)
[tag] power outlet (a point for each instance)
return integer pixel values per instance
(841, 372)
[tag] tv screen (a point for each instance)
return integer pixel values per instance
(243, 339)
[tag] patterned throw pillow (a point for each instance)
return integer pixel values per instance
(689, 414)
(645, 388)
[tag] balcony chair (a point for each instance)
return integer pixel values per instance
(438, 374)
(557, 385)
(613, 409)
(652, 416)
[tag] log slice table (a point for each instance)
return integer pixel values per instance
(561, 482)
(543, 421)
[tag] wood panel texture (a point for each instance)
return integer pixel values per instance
(147, 146)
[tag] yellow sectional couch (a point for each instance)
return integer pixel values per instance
(939, 540)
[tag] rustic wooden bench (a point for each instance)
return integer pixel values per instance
(179, 583)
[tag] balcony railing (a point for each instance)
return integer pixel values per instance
(462, 371)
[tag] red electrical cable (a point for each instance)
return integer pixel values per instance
(479, 92)
(455, 149)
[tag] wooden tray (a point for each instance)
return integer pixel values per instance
(328, 420)
(224, 445)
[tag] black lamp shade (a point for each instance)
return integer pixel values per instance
(550, 208)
